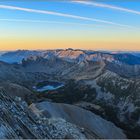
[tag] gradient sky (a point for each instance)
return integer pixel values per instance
(115, 26)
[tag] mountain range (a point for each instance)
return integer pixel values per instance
(102, 86)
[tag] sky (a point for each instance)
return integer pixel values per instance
(94, 25)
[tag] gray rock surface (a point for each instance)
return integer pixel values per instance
(18, 122)
(82, 118)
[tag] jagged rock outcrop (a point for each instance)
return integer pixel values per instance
(18, 122)
(50, 120)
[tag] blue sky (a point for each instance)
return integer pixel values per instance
(61, 29)
(75, 9)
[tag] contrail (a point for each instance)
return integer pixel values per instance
(55, 22)
(61, 14)
(108, 6)
(46, 21)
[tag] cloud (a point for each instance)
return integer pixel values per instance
(108, 6)
(61, 14)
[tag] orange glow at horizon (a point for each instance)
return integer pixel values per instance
(33, 44)
(100, 28)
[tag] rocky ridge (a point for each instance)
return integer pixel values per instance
(19, 121)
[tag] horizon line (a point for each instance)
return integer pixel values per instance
(75, 49)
